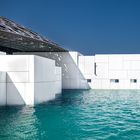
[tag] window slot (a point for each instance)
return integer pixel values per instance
(133, 80)
(89, 80)
(95, 69)
(114, 80)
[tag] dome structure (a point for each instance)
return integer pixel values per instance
(17, 38)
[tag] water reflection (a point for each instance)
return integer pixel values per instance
(76, 114)
(18, 122)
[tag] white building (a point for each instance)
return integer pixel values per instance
(38, 69)
(114, 71)
(111, 71)
(28, 79)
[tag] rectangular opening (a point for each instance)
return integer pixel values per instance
(89, 80)
(95, 69)
(133, 80)
(114, 80)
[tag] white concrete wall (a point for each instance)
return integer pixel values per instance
(47, 79)
(58, 80)
(121, 67)
(72, 77)
(16, 68)
(86, 66)
(78, 70)
(2, 88)
(29, 79)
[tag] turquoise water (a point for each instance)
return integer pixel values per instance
(76, 115)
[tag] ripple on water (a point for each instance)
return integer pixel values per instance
(76, 115)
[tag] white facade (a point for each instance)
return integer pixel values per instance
(28, 79)
(2, 88)
(111, 71)
(72, 77)
(120, 71)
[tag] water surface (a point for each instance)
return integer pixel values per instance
(76, 115)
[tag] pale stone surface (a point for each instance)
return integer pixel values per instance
(72, 77)
(2, 88)
(80, 72)
(28, 79)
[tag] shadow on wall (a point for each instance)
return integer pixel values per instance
(72, 78)
(15, 92)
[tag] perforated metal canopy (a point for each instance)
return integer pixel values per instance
(17, 38)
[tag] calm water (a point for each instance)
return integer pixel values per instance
(76, 115)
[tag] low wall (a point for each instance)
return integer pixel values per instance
(120, 71)
(72, 77)
(3, 88)
(47, 79)
(113, 71)
(28, 79)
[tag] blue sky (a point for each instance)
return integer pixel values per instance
(87, 26)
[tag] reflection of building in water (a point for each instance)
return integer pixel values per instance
(38, 69)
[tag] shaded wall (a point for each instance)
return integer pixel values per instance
(72, 77)
(3, 88)
(28, 79)
(120, 71)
